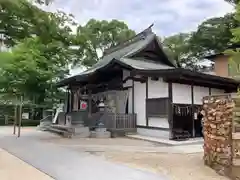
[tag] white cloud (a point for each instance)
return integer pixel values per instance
(168, 16)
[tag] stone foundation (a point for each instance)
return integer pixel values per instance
(100, 133)
(81, 131)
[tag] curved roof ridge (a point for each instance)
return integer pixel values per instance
(132, 40)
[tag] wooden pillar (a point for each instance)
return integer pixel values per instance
(133, 94)
(192, 111)
(210, 91)
(89, 103)
(70, 100)
(170, 110)
(147, 121)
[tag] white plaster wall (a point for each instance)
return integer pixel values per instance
(153, 133)
(157, 89)
(158, 122)
(140, 102)
(216, 91)
(199, 92)
(181, 93)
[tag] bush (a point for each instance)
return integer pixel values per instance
(29, 122)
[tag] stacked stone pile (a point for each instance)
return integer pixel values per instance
(217, 129)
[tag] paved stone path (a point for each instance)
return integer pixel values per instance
(63, 164)
(12, 168)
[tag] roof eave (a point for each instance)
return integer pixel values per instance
(79, 78)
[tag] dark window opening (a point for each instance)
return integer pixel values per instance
(157, 107)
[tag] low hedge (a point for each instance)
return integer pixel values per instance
(29, 122)
(26, 122)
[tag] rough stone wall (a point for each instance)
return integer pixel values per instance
(235, 174)
(217, 129)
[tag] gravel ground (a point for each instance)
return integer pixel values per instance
(174, 166)
(64, 163)
(176, 163)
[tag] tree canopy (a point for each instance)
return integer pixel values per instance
(97, 36)
(234, 2)
(177, 48)
(43, 46)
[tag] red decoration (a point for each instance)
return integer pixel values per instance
(83, 105)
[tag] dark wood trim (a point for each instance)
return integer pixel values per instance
(192, 109)
(153, 128)
(68, 100)
(157, 116)
(146, 115)
(158, 98)
(199, 82)
(71, 100)
(133, 94)
(126, 88)
(210, 91)
(170, 108)
(141, 80)
(89, 103)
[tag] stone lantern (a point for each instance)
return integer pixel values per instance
(101, 106)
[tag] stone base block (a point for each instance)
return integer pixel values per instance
(100, 134)
(81, 129)
(82, 135)
(81, 132)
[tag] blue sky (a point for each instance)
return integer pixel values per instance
(169, 16)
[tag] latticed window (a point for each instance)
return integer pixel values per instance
(157, 107)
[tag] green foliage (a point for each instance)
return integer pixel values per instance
(178, 48)
(213, 35)
(234, 60)
(40, 43)
(97, 36)
(21, 19)
(41, 48)
(28, 122)
(234, 2)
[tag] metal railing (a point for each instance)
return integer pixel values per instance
(114, 121)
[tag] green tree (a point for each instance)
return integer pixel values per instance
(97, 36)
(178, 48)
(234, 2)
(41, 52)
(30, 72)
(235, 53)
(21, 19)
(213, 35)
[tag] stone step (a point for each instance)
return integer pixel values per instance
(100, 134)
(82, 135)
(81, 132)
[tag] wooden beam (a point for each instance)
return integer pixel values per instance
(192, 109)
(147, 120)
(184, 80)
(170, 109)
(142, 79)
(133, 98)
(89, 103)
